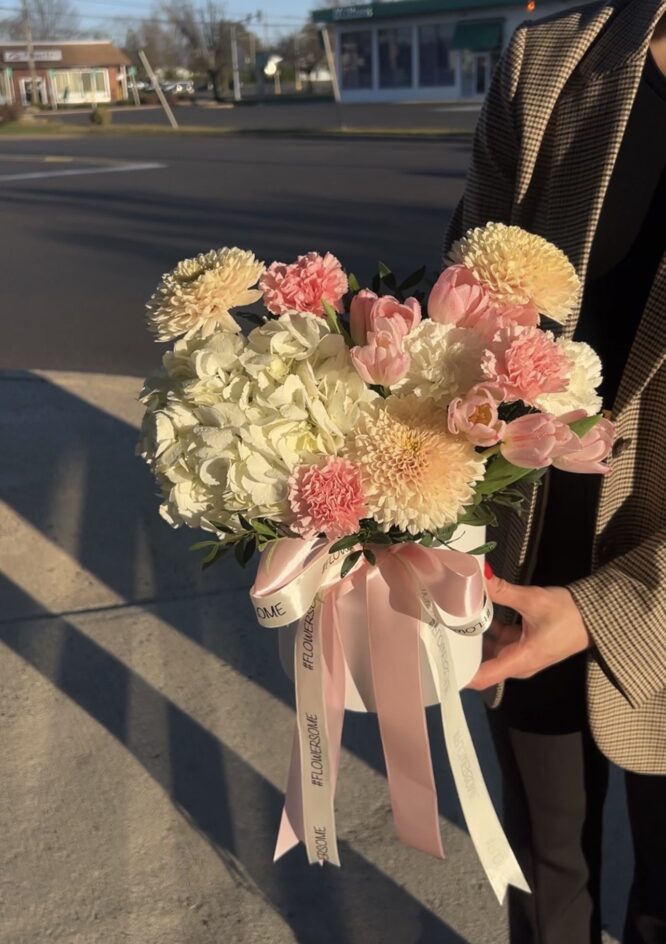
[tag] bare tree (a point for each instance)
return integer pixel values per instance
(50, 19)
(53, 19)
(207, 35)
(163, 44)
(303, 48)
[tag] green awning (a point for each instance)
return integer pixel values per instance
(481, 36)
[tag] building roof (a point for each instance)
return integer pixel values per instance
(64, 54)
(396, 8)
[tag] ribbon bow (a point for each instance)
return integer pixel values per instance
(380, 614)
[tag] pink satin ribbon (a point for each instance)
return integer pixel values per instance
(377, 606)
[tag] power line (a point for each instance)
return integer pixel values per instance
(273, 24)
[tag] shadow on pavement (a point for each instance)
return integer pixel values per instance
(319, 903)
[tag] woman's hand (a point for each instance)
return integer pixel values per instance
(551, 630)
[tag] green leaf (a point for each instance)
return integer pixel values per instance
(223, 527)
(200, 545)
(354, 284)
(413, 279)
(387, 276)
(534, 475)
(331, 317)
(349, 562)
(484, 548)
(499, 475)
(244, 523)
(245, 549)
(369, 556)
(264, 528)
(427, 540)
(210, 559)
(344, 543)
(584, 425)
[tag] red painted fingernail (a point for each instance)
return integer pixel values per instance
(488, 571)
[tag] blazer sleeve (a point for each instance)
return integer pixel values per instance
(623, 605)
(491, 179)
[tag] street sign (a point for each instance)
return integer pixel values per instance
(39, 55)
(352, 13)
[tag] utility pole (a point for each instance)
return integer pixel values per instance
(27, 27)
(234, 64)
(158, 89)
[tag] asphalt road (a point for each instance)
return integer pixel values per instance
(305, 115)
(89, 232)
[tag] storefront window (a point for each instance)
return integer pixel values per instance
(356, 59)
(435, 61)
(77, 85)
(395, 57)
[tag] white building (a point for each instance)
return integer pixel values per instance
(423, 50)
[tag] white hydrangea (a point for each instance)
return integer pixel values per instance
(229, 418)
(585, 378)
(445, 361)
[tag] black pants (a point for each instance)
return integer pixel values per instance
(555, 781)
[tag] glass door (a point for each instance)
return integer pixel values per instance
(475, 73)
(481, 73)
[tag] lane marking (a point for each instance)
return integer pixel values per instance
(37, 175)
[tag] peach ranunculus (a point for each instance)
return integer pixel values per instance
(327, 498)
(367, 308)
(382, 360)
(526, 363)
(475, 415)
(304, 285)
(586, 453)
(458, 298)
(531, 441)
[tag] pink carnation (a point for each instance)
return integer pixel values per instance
(304, 285)
(475, 415)
(327, 498)
(526, 362)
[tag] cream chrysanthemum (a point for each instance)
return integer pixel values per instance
(519, 268)
(415, 474)
(584, 378)
(199, 293)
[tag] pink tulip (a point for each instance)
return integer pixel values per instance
(586, 453)
(407, 312)
(531, 441)
(458, 298)
(359, 315)
(382, 360)
(475, 415)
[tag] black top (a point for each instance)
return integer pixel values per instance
(628, 244)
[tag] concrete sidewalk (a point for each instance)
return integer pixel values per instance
(147, 726)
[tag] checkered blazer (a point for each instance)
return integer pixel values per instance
(543, 154)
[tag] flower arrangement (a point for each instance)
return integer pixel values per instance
(355, 436)
(347, 414)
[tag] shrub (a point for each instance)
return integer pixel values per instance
(10, 113)
(101, 116)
